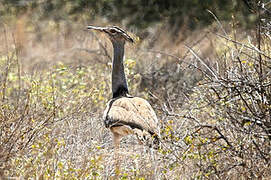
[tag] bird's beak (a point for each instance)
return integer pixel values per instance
(96, 28)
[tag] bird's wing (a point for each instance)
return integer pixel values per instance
(132, 111)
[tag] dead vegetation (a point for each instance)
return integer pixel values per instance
(213, 99)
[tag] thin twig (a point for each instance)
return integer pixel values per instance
(202, 62)
(217, 20)
(241, 44)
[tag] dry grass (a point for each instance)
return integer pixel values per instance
(55, 84)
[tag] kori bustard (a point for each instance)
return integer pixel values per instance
(125, 114)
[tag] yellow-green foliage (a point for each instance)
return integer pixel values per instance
(42, 112)
(53, 96)
(50, 97)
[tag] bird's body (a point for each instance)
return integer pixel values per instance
(131, 115)
(125, 114)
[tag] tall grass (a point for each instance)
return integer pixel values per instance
(55, 84)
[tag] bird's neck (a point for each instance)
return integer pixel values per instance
(119, 83)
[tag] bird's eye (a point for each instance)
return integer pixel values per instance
(113, 31)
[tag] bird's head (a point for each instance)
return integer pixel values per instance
(115, 34)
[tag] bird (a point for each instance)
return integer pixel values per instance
(124, 114)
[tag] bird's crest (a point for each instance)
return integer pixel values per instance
(113, 31)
